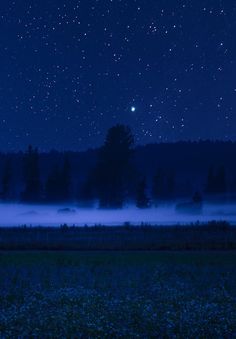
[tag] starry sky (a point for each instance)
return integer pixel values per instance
(69, 70)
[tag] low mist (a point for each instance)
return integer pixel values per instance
(164, 214)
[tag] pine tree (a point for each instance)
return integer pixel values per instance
(113, 165)
(32, 192)
(216, 182)
(53, 193)
(6, 180)
(197, 198)
(210, 186)
(157, 187)
(86, 194)
(142, 200)
(58, 184)
(65, 183)
(221, 180)
(170, 185)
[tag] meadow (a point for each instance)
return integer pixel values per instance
(210, 236)
(97, 294)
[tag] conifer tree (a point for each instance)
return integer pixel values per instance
(157, 187)
(53, 185)
(65, 183)
(58, 184)
(32, 191)
(210, 186)
(221, 180)
(6, 180)
(142, 200)
(112, 168)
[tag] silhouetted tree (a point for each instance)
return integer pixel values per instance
(32, 192)
(65, 180)
(86, 193)
(6, 180)
(170, 184)
(163, 185)
(216, 182)
(158, 185)
(221, 180)
(142, 200)
(112, 167)
(53, 192)
(58, 184)
(197, 198)
(210, 186)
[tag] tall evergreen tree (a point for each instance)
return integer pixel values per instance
(142, 200)
(52, 189)
(58, 184)
(221, 180)
(65, 183)
(113, 164)
(216, 181)
(6, 180)
(197, 198)
(32, 191)
(86, 194)
(163, 185)
(210, 186)
(158, 185)
(170, 184)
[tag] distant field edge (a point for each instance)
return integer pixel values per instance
(214, 236)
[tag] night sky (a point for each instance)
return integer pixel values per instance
(69, 70)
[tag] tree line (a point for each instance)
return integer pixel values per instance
(113, 181)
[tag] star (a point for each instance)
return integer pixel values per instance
(50, 76)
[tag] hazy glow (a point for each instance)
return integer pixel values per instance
(14, 215)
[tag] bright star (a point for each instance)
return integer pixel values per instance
(133, 109)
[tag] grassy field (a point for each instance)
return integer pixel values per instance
(118, 294)
(210, 236)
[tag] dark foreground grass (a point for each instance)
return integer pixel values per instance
(118, 294)
(211, 236)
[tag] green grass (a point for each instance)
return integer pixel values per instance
(118, 294)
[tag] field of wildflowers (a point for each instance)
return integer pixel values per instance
(118, 294)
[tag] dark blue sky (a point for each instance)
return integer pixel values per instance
(71, 69)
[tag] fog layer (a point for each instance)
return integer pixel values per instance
(52, 215)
